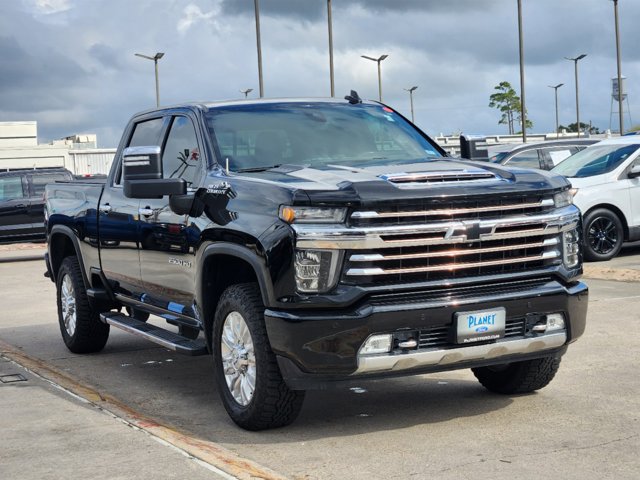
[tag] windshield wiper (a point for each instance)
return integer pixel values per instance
(257, 169)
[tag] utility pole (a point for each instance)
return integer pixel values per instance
(257, 9)
(523, 108)
(330, 22)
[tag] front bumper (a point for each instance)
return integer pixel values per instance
(316, 348)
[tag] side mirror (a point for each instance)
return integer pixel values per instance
(634, 172)
(142, 174)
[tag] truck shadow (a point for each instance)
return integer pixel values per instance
(180, 391)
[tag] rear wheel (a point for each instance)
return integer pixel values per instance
(603, 235)
(518, 377)
(81, 328)
(247, 374)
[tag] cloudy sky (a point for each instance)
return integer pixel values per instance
(70, 64)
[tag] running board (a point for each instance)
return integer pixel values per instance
(158, 335)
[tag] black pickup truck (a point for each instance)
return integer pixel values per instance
(307, 242)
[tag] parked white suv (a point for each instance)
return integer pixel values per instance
(606, 182)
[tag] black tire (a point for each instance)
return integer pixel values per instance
(518, 377)
(88, 334)
(272, 404)
(603, 235)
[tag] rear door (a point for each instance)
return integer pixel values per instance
(14, 217)
(167, 254)
(119, 218)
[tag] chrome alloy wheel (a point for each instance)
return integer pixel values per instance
(68, 304)
(238, 358)
(602, 235)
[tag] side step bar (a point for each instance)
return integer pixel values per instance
(158, 335)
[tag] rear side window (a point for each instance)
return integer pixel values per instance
(40, 181)
(526, 159)
(11, 188)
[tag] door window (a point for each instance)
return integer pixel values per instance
(147, 134)
(11, 188)
(526, 159)
(181, 153)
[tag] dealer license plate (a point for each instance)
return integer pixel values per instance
(480, 326)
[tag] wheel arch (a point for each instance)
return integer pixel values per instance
(614, 209)
(223, 265)
(63, 243)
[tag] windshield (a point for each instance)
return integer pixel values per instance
(595, 160)
(314, 134)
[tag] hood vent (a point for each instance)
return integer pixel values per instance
(439, 177)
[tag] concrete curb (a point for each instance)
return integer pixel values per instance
(597, 272)
(203, 450)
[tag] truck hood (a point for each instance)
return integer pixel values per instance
(442, 178)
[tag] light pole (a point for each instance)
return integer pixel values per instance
(556, 87)
(620, 92)
(523, 109)
(411, 90)
(246, 92)
(377, 60)
(575, 63)
(155, 59)
(257, 10)
(330, 26)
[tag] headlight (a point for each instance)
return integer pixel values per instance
(571, 248)
(316, 270)
(564, 198)
(312, 214)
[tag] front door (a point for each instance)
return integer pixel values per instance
(167, 254)
(14, 204)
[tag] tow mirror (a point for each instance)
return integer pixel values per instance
(634, 172)
(142, 174)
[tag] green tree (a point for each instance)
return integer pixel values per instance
(508, 103)
(584, 127)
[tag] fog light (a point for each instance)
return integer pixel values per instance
(376, 344)
(555, 321)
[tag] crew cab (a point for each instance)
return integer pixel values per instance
(308, 242)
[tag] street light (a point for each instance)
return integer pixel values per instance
(620, 92)
(258, 45)
(411, 90)
(556, 87)
(575, 63)
(246, 92)
(155, 59)
(377, 60)
(523, 108)
(330, 26)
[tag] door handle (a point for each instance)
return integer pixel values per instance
(106, 208)
(146, 212)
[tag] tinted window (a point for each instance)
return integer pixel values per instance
(11, 188)
(595, 160)
(181, 152)
(315, 134)
(40, 181)
(526, 159)
(147, 133)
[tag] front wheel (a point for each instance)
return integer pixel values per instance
(81, 328)
(603, 235)
(518, 377)
(247, 374)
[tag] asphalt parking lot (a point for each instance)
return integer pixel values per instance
(584, 425)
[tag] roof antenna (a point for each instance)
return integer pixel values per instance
(353, 98)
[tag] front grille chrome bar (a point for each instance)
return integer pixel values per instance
(436, 233)
(453, 253)
(366, 272)
(547, 202)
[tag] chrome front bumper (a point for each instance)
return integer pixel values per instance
(452, 356)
